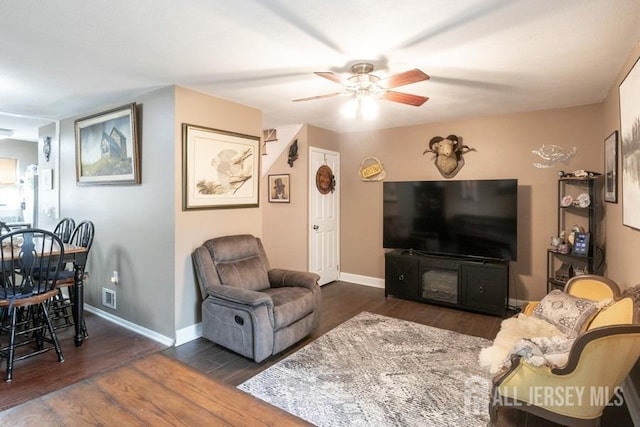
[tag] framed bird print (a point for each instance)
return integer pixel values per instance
(220, 169)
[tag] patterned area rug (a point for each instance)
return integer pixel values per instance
(374, 370)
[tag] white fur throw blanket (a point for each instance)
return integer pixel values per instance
(522, 327)
(549, 351)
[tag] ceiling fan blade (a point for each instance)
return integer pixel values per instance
(401, 79)
(405, 98)
(332, 76)
(329, 95)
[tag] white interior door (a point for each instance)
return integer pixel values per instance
(324, 209)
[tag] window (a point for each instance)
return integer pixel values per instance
(8, 172)
(9, 194)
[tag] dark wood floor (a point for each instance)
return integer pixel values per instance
(111, 346)
(340, 302)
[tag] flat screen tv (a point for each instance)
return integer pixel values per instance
(472, 218)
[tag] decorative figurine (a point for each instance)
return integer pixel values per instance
(293, 153)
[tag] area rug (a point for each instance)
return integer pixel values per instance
(375, 370)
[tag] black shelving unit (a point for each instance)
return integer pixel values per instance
(562, 266)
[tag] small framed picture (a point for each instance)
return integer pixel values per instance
(279, 188)
(611, 168)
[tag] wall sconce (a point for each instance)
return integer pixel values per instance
(46, 148)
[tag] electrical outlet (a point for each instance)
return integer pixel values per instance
(109, 298)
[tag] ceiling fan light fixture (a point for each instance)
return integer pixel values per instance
(350, 109)
(368, 108)
(361, 104)
(362, 85)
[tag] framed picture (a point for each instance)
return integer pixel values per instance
(630, 146)
(279, 188)
(611, 168)
(107, 148)
(220, 169)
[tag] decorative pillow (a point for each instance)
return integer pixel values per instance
(568, 313)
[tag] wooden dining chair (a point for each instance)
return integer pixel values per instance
(60, 308)
(64, 229)
(30, 261)
(4, 228)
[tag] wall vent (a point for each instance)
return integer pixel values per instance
(109, 298)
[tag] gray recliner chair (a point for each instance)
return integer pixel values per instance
(247, 306)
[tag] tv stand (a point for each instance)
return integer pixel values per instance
(475, 284)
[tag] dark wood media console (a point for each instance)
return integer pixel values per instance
(480, 285)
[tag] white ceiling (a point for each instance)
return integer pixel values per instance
(64, 58)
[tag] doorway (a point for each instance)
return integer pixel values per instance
(25, 144)
(324, 214)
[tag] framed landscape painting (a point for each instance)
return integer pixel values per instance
(107, 148)
(220, 169)
(630, 146)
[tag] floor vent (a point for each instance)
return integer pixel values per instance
(109, 298)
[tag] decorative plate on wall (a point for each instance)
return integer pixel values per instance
(325, 181)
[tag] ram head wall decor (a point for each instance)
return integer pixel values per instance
(448, 154)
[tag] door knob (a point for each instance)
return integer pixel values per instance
(315, 227)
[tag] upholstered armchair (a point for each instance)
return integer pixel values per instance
(247, 306)
(599, 360)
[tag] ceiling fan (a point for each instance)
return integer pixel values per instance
(362, 83)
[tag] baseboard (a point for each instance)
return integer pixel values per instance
(131, 326)
(632, 399)
(517, 302)
(189, 333)
(374, 282)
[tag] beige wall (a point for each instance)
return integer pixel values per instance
(193, 227)
(285, 231)
(622, 241)
(503, 147)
